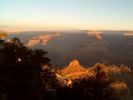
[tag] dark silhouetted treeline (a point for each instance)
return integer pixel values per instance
(22, 77)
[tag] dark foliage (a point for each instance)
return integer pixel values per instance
(20, 68)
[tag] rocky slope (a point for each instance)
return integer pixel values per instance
(121, 76)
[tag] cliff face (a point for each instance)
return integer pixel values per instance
(74, 70)
(122, 76)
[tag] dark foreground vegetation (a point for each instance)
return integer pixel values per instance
(22, 78)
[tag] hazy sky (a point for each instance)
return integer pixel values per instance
(67, 14)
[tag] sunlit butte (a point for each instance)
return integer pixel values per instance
(19, 15)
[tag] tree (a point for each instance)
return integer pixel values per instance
(20, 69)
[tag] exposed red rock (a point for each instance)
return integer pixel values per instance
(74, 70)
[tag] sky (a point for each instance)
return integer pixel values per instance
(66, 14)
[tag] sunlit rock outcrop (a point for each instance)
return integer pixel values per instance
(119, 86)
(121, 90)
(41, 39)
(111, 69)
(96, 34)
(129, 33)
(2, 34)
(74, 70)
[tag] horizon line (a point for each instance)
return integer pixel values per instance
(11, 29)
